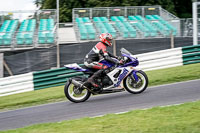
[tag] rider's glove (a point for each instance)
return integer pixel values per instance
(121, 62)
(119, 58)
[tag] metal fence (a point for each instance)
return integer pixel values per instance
(121, 11)
(28, 14)
(183, 26)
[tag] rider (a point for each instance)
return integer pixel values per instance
(92, 59)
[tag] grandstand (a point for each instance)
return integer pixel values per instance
(37, 30)
(125, 22)
(40, 30)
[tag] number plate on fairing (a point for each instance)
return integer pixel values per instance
(121, 77)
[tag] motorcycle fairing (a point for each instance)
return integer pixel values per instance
(118, 82)
(108, 64)
(133, 62)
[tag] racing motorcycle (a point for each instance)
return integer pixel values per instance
(119, 78)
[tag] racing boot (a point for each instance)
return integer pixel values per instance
(90, 82)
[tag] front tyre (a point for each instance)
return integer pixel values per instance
(76, 94)
(136, 87)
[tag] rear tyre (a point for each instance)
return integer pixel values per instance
(76, 94)
(136, 87)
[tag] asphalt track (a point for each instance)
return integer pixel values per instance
(163, 95)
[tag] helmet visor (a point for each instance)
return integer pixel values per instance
(109, 39)
(111, 42)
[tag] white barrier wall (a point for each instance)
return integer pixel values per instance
(16, 84)
(160, 59)
(1, 65)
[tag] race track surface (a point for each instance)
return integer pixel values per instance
(163, 95)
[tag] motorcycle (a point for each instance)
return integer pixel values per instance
(123, 77)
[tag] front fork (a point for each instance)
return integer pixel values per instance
(135, 75)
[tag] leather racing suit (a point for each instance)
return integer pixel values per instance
(92, 60)
(98, 52)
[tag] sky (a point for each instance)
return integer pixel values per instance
(16, 5)
(11, 5)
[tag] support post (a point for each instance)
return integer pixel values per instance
(108, 13)
(160, 11)
(172, 40)
(58, 45)
(195, 28)
(1, 65)
(142, 11)
(7, 68)
(114, 48)
(91, 13)
(125, 12)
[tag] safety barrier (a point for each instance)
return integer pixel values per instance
(53, 77)
(16, 84)
(57, 77)
(160, 59)
(191, 54)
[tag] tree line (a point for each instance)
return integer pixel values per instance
(180, 8)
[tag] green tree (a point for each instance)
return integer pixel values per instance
(183, 8)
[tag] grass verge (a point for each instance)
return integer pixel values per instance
(54, 94)
(173, 119)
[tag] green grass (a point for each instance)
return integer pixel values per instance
(174, 119)
(175, 74)
(26, 99)
(54, 94)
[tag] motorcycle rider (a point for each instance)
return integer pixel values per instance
(93, 58)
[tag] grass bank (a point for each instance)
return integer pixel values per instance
(54, 94)
(174, 119)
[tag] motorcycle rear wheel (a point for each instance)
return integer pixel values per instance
(136, 87)
(75, 94)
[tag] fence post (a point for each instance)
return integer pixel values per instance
(91, 13)
(195, 22)
(160, 11)
(1, 65)
(114, 47)
(125, 12)
(172, 40)
(142, 11)
(7, 68)
(108, 13)
(58, 48)
(58, 41)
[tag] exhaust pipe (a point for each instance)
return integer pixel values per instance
(76, 83)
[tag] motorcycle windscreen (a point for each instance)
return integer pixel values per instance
(124, 51)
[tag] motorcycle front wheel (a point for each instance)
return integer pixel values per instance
(76, 94)
(136, 87)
